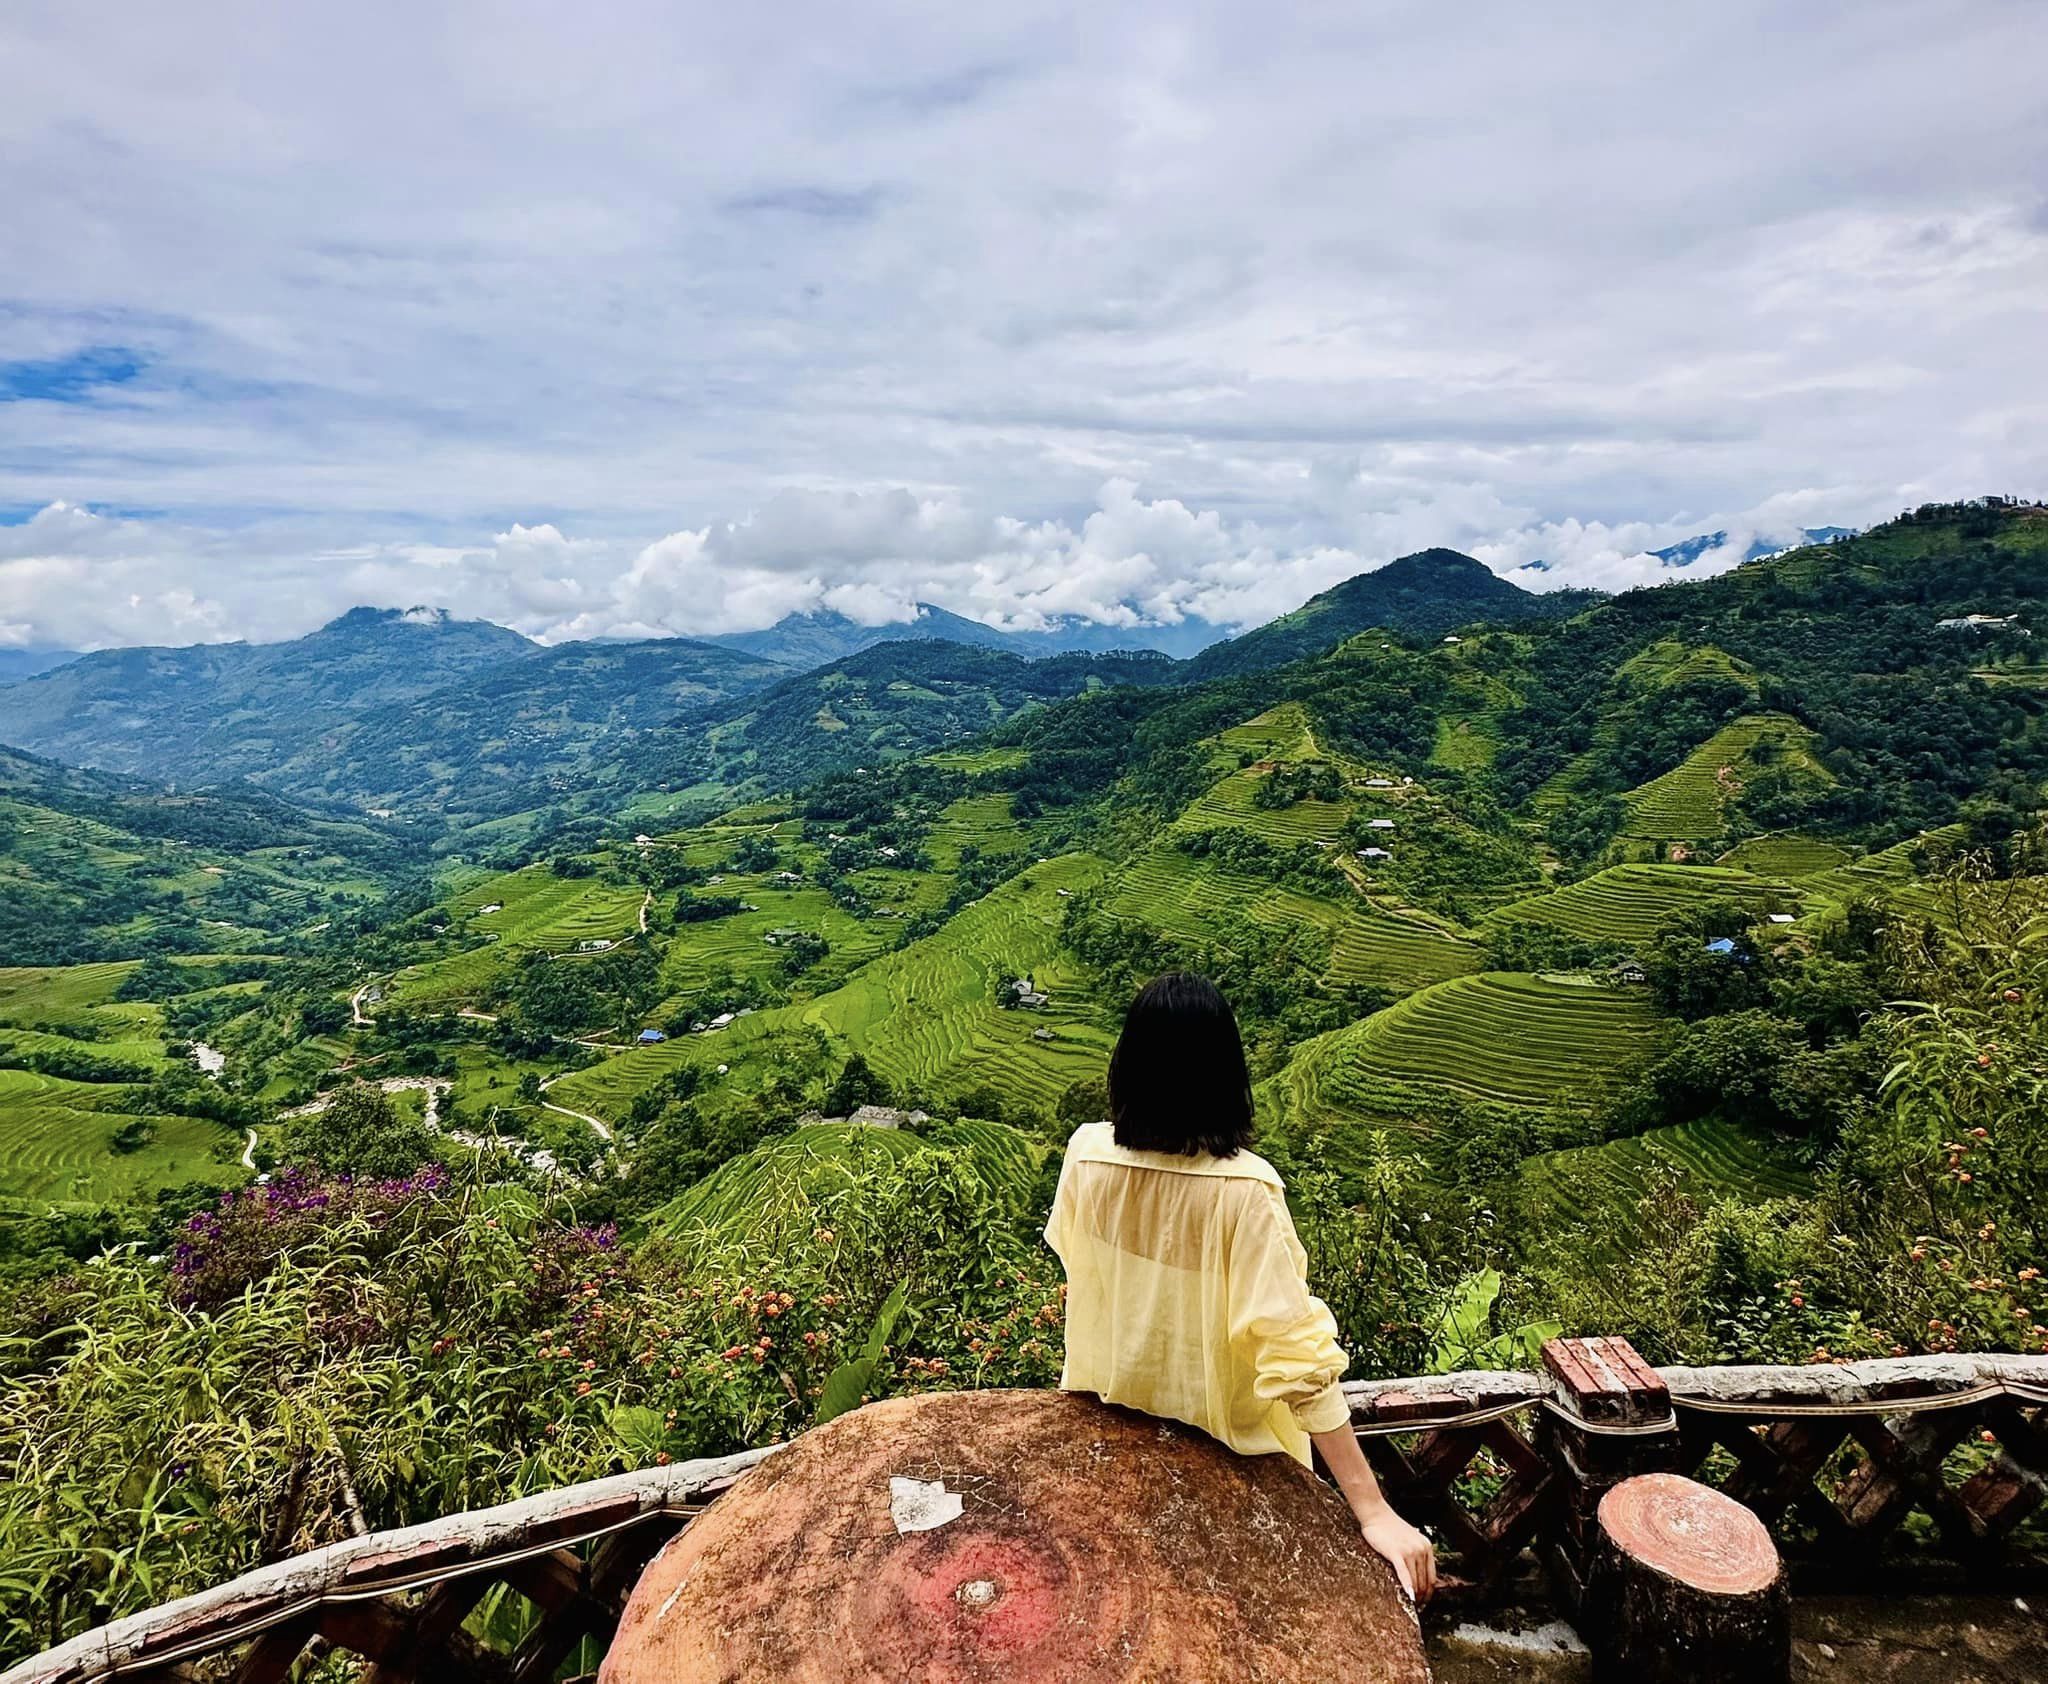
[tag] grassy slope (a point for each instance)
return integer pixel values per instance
(1689, 803)
(925, 1017)
(1502, 1035)
(1626, 903)
(1374, 939)
(747, 1194)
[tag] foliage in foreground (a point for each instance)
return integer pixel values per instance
(318, 1357)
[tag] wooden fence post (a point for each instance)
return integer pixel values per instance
(1612, 1421)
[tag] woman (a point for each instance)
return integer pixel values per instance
(1187, 1290)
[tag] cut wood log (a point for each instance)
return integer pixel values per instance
(1017, 1538)
(1684, 1587)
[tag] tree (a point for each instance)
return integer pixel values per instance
(1085, 1101)
(360, 1132)
(857, 1084)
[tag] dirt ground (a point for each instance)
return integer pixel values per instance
(1938, 1639)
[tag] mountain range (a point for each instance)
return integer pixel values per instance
(811, 640)
(421, 714)
(1689, 550)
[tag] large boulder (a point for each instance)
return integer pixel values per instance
(1021, 1537)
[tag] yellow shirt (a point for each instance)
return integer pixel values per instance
(1187, 1295)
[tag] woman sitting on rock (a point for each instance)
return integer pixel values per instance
(1187, 1290)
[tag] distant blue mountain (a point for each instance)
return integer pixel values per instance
(1689, 550)
(26, 663)
(812, 640)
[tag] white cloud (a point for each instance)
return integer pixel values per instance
(1031, 310)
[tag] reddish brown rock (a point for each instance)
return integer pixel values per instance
(1071, 1542)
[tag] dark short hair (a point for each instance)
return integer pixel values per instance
(1177, 1080)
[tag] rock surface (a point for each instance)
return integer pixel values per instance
(1021, 1537)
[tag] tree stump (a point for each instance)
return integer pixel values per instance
(1020, 1537)
(1684, 1587)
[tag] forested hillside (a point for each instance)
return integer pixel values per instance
(1573, 958)
(214, 711)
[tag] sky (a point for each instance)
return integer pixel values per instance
(631, 319)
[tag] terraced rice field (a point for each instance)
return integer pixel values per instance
(1625, 904)
(53, 1145)
(1167, 890)
(925, 1017)
(748, 1196)
(698, 952)
(1503, 1036)
(1661, 666)
(1880, 874)
(59, 993)
(1280, 733)
(1709, 1158)
(537, 909)
(1468, 733)
(1688, 803)
(1784, 856)
(1228, 802)
(985, 821)
(975, 760)
(143, 1050)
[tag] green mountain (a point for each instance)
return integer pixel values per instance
(98, 866)
(224, 710)
(560, 723)
(885, 703)
(1427, 594)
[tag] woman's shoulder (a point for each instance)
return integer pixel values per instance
(1096, 1143)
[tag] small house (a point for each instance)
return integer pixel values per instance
(1778, 917)
(1379, 783)
(887, 853)
(1379, 824)
(1452, 638)
(1723, 946)
(1043, 1035)
(593, 944)
(1632, 973)
(1374, 854)
(648, 1037)
(788, 877)
(486, 911)
(721, 1020)
(643, 840)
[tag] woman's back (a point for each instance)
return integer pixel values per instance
(1186, 1297)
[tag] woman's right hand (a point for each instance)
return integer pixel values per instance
(1412, 1554)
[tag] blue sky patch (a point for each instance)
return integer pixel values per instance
(73, 379)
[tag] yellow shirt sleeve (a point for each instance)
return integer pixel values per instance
(1286, 1333)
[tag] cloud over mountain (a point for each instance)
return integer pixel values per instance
(624, 321)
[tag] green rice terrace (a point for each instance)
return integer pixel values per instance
(1498, 1036)
(1626, 904)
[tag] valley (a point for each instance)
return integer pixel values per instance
(1563, 947)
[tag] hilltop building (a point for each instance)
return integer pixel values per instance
(1983, 623)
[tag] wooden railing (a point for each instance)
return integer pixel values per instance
(1835, 1458)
